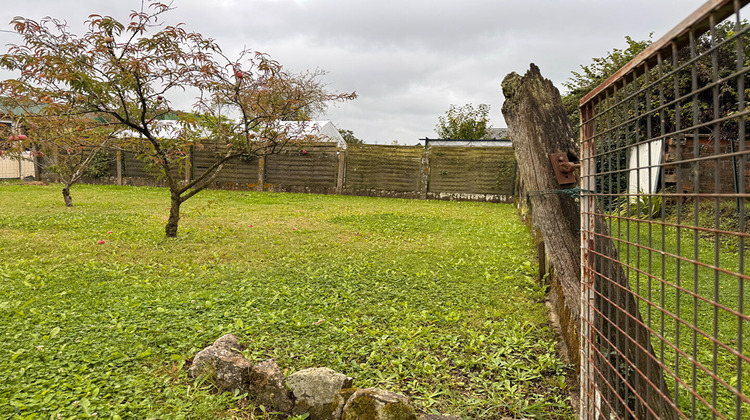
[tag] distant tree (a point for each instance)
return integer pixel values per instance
(464, 122)
(116, 71)
(726, 90)
(602, 68)
(695, 106)
(592, 75)
(348, 136)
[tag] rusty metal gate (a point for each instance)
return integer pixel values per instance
(665, 178)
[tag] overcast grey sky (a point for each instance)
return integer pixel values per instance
(409, 59)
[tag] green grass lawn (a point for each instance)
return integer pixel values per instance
(701, 282)
(436, 300)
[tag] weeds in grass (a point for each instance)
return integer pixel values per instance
(641, 206)
(435, 300)
(697, 281)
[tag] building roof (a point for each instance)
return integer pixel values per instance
(496, 137)
(325, 130)
(498, 133)
(468, 142)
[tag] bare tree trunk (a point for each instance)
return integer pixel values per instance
(181, 193)
(174, 216)
(539, 126)
(66, 196)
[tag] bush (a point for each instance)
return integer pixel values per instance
(640, 207)
(99, 166)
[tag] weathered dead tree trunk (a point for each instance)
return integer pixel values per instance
(539, 126)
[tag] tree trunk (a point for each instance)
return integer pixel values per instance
(66, 196)
(174, 216)
(539, 126)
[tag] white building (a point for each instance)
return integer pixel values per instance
(496, 137)
(325, 130)
(468, 143)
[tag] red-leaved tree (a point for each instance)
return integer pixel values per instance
(129, 73)
(60, 140)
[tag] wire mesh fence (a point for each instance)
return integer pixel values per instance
(665, 318)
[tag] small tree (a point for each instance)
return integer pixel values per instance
(349, 137)
(116, 71)
(61, 141)
(273, 108)
(94, 84)
(464, 122)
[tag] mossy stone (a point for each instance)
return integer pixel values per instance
(376, 404)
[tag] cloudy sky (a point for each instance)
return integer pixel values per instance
(408, 60)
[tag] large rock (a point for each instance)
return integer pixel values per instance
(376, 404)
(266, 386)
(341, 399)
(315, 391)
(222, 365)
(230, 342)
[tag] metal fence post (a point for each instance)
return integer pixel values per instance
(35, 160)
(424, 172)
(588, 169)
(119, 167)
(341, 170)
(261, 173)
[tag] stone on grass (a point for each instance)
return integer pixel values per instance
(377, 404)
(440, 417)
(266, 386)
(222, 365)
(229, 341)
(315, 391)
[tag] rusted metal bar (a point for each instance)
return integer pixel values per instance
(677, 349)
(676, 318)
(705, 87)
(678, 257)
(588, 185)
(740, 63)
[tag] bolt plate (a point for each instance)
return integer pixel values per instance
(562, 177)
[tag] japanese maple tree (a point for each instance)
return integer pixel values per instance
(60, 140)
(128, 73)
